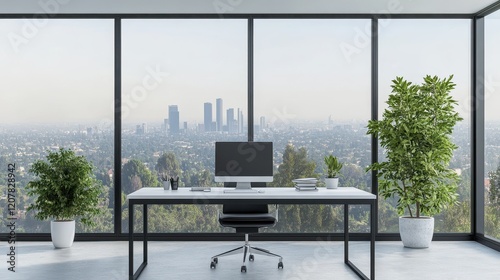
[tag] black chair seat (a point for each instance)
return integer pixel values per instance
(245, 220)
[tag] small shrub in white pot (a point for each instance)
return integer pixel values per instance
(66, 189)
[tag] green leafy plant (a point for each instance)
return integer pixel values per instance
(415, 131)
(333, 166)
(66, 188)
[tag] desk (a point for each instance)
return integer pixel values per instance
(345, 196)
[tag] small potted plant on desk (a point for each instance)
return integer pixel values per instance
(415, 131)
(333, 166)
(66, 189)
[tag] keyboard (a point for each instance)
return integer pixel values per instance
(201, 189)
(231, 190)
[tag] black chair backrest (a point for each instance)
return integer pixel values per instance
(245, 208)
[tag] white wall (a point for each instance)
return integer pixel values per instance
(242, 6)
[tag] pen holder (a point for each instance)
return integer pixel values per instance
(166, 185)
(175, 184)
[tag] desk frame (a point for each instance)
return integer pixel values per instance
(346, 202)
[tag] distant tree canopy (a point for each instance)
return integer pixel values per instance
(3, 164)
(169, 165)
(204, 178)
(302, 218)
(494, 194)
(295, 165)
(492, 209)
(170, 218)
(136, 175)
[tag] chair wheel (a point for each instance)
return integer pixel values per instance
(243, 268)
(215, 260)
(213, 265)
(251, 258)
(280, 265)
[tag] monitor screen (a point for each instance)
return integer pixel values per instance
(243, 162)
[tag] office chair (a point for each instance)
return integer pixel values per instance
(247, 219)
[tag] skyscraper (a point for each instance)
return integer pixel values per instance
(230, 120)
(173, 118)
(208, 116)
(219, 117)
(240, 121)
(262, 123)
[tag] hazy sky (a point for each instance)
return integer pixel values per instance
(202, 60)
(415, 48)
(492, 67)
(304, 69)
(62, 71)
(311, 69)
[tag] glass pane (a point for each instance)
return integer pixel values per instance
(413, 49)
(492, 126)
(57, 91)
(184, 88)
(312, 98)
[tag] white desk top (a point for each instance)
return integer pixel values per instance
(269, 193)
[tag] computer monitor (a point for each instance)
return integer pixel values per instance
(243, 163)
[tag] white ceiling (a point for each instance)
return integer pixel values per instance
(244, 6)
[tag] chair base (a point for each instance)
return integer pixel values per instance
(247, 250)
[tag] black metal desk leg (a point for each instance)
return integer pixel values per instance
(131, 241)
(346, 247)
(145, 230)
(346, 233)
(131, 274)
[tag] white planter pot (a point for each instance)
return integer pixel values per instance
(416, 232)
(62, 233)
(332, 183)
(166, 185)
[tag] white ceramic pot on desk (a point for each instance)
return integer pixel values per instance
(332, 183)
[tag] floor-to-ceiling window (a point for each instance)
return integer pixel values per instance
(56, 78)
(312, 99)
(412, 49)
(492, 126)
(184, 87)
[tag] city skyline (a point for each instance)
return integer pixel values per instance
(232, 123)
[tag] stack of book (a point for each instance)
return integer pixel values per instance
(305, 184)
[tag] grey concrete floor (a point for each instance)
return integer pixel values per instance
(302, 260)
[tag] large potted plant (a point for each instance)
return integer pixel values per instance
(415, 132)
(333, 166)
(65, 190)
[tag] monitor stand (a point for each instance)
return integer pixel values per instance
(243, 187)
